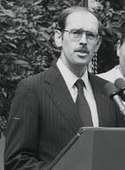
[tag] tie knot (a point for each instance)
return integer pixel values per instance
(80, 84)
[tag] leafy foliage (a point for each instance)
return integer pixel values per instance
(111, 20)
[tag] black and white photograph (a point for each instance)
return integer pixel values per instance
(62, 84)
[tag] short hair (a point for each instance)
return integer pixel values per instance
(61, 23)
(122, 32)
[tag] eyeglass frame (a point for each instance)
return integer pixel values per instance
(80, 36)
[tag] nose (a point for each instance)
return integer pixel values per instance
(83, 39)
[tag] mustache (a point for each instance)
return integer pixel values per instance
(82, 50)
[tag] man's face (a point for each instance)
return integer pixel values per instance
(121, 54)
(79, 51)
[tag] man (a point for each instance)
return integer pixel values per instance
(44, 115)
(119, 70)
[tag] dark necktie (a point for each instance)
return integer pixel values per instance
(82, 104)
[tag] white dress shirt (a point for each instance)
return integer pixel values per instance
(112, 74)
(70, 79)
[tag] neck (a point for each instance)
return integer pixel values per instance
(78, 70)
(122, 70)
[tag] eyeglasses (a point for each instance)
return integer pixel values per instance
(76, 35)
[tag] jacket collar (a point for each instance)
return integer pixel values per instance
(59, 93)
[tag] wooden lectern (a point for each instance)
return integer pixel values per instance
(93, 149)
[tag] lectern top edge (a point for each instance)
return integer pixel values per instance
(82, 129)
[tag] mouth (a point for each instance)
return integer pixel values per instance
(82, 51)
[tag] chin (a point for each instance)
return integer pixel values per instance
(83, 62)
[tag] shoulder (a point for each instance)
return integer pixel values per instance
(110, 75)
(42, 76)
(98, 84)
(97, 79)
(32, 83)
(31, 87)
(33, 79)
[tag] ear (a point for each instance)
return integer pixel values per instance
(118, 48)
(58, 38)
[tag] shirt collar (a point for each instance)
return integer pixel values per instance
(69, 77)
(85, 78)
(119, 71)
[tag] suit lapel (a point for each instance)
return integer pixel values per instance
(59, 93)
(101, 99)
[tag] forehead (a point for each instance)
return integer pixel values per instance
(82, 19)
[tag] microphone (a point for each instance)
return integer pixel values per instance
(120, 84)
(112, 92)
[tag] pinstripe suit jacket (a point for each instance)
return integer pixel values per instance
(43, 119)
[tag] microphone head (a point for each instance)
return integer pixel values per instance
(120, 84)
(110, 90)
